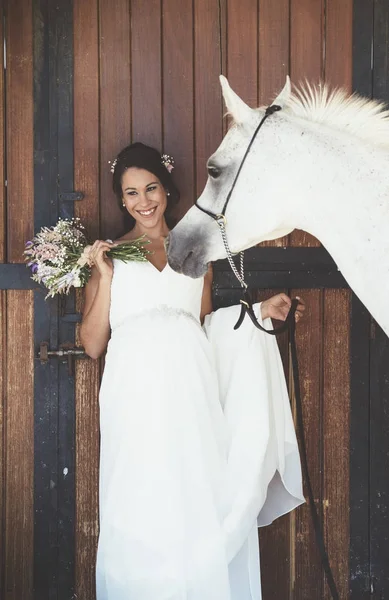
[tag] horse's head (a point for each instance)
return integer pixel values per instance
(257, 209)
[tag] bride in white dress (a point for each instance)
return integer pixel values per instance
(197, 439)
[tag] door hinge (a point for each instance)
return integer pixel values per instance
(71, 196)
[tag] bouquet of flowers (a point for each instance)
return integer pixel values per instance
(59, 256)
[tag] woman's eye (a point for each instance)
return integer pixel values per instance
(152, 188)
(131, 193)
(214, 172)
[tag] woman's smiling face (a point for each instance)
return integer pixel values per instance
(144, 196)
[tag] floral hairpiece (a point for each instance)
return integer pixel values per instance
(113, 165)
(168, 162)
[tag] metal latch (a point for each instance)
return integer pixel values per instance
(66, 353)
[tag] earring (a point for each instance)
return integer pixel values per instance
(167, 193)
(124, 205)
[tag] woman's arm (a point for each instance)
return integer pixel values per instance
(95, 329)
(206, 301)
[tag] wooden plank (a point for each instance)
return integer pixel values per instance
(307, 576)
(306, 40)
(86, 115)
(178, 110)
(19, 448)
(274, 543)
(2, 296)
(87, 376)
(275, 540)
(115, 103)
(273, 49)
(2, 144)
(273, 59)
(18, 416)
(306, 62)
(223, 49)
(3, 381)
(359, 450)
(338, 43)
(242, 49)
(336, 431)
(207, 92)
(336, 416)
(87, 475)
(379, 452)
(146, 80)
(19, 127)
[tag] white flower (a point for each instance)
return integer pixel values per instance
(85, 258)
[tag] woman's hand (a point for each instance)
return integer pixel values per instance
(99, 258)
(277, 307)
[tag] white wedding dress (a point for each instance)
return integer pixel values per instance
(197, 443)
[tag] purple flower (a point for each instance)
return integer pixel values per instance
(29, 244)
(34, 268)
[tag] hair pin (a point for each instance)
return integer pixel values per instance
(113, 165)
(168, 162)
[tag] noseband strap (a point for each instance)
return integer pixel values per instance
(217, 216)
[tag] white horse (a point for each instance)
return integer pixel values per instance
(320, 164)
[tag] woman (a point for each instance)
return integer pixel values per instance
(164, 436)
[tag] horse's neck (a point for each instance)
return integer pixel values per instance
(351, 219)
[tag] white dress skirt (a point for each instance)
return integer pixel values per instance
(198, 447)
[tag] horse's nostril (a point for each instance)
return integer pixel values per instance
(187, 257)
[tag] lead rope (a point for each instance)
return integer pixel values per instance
(247, 308)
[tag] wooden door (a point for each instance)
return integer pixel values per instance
(82, 80)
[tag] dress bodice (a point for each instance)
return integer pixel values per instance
(139, 286)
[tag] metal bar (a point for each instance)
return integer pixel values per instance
(379, 452)
(281, 279)
(363, 15)
(16, 277)
(359, 552)
(45, 325)
(283, 259)
(379, 363)
(62, 13)
(359, 562)
(54, 494)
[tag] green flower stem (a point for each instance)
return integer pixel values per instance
(131, 250)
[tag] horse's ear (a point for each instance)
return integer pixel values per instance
(235, 105)
(284, 96)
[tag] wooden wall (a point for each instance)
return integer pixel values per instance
(149, 72)
(16, 307)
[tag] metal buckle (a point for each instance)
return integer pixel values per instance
(221, 220)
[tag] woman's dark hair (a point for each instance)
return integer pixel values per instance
(144, 157)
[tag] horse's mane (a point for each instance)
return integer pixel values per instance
(362, 117)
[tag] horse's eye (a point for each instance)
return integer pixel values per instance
(214, 172)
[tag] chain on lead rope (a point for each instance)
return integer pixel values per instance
(221, 221)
